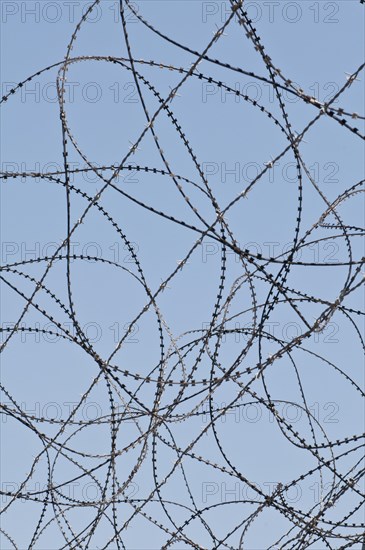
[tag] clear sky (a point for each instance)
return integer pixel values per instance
(316, 45)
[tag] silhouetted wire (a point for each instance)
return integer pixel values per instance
(182, 389)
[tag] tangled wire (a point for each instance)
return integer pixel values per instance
(178, 454)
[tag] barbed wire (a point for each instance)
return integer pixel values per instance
(149, 451)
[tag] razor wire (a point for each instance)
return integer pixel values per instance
(166, 401)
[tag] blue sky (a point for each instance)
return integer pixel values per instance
(314, 44)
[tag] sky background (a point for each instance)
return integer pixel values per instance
(314, 44)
